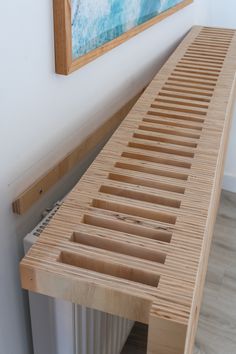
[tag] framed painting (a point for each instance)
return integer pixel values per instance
(86, 29)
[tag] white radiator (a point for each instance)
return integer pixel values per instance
(60, 327)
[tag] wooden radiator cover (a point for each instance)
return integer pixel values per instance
(133, 237)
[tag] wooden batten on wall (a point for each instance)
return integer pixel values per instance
(45, 182)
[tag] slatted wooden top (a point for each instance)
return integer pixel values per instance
(133, 237)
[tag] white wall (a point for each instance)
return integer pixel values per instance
(43, 116)
(222, 14)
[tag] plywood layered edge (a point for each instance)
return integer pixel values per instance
(133, 237)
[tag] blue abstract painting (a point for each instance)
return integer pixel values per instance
(96, 22)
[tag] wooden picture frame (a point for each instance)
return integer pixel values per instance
(63, 36)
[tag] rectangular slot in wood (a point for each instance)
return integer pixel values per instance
(175, 116)
(195, 76)
(213, 39)
(146, 183)
(160, 149)
(133, 210)
(205, 54)
(201, 62)
(205, 59)
(208, 44)
(196, 71)
(182, 103)
(191, 91)
(144, 197)
(193, 85)
(163, 140)
(209, 60)
(191, 81)
(205, 68)
(204, 49)
(156, 159)
(184, 97)
(178, 109)
(159, 233)
(152, 171)
(220, 38)
(122, 248)
(173, 124)
(170, 132)
(214, 48)
(109, 268)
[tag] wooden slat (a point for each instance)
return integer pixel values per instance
(133, 237)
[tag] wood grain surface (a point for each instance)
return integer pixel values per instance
(133, 237)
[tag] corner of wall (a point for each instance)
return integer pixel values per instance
(229, 183)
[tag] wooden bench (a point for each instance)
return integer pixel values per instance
(133, 237)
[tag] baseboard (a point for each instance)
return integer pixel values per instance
(229, 183)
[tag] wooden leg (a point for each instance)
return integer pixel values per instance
(165, 336)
